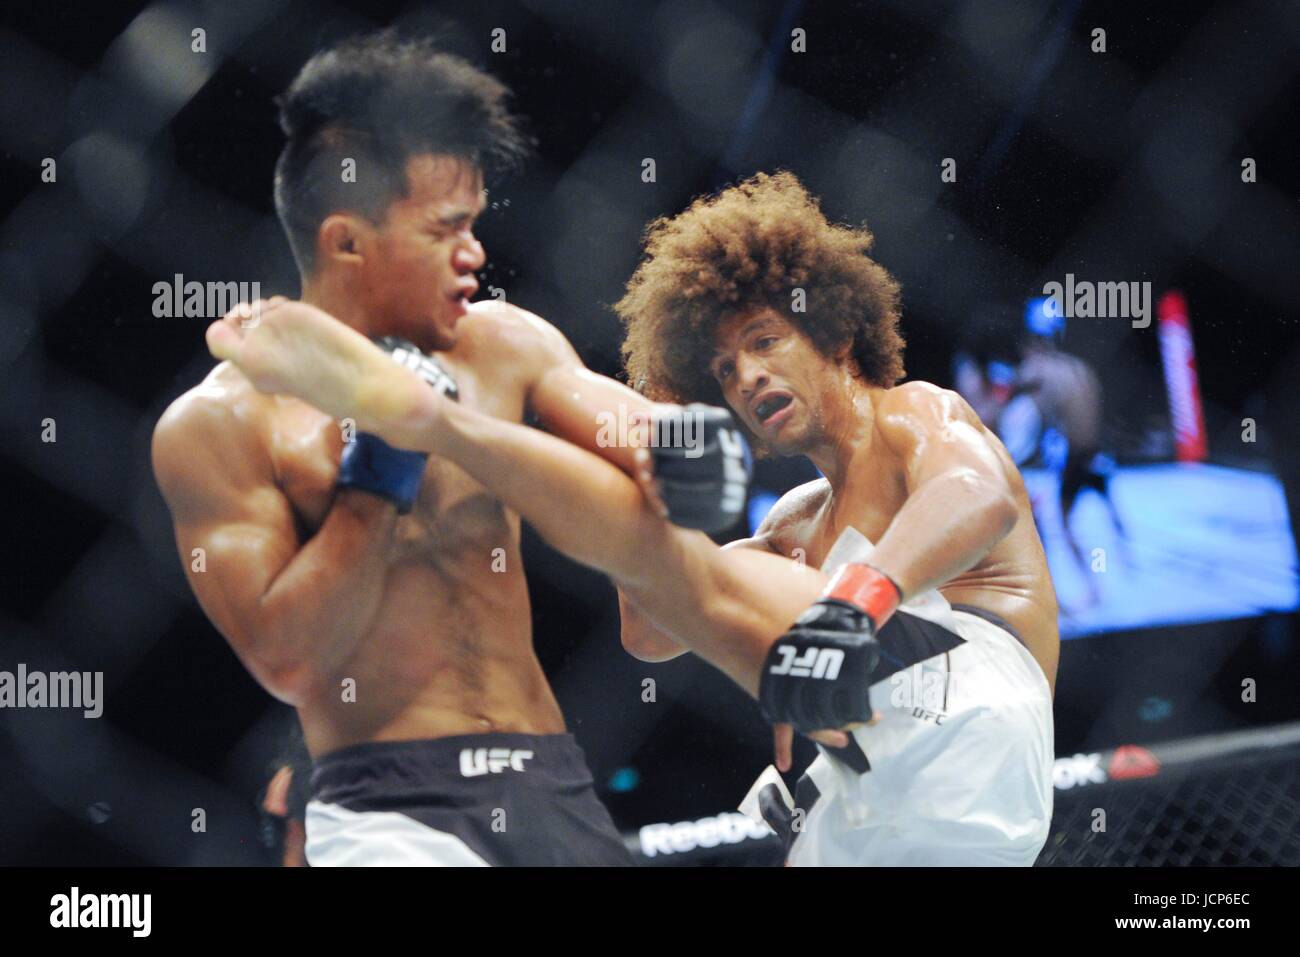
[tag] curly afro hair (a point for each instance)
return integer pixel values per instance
(748, 247)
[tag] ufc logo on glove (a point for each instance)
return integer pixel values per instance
(813, 663)
(735, 470)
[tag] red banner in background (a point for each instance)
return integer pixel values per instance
(1179, 355)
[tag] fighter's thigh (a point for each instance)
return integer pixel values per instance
(699, 592)
(758, 590)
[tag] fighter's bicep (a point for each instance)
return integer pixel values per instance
(239, 550)
(232, 559)
(235, 529)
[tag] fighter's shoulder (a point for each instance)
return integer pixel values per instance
(216, 423)
(917, 406)
(503, 328)
(210, 407)
(794, 508)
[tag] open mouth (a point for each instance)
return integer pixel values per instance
(464, 291)
(769, 407)
(460, 299)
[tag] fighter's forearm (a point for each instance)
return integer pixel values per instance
(319, 607)
(947, 525)
(581, 504)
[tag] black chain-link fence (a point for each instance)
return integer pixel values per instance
(1230, 800)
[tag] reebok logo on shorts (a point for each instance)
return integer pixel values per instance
(476, 761)
(813, 663)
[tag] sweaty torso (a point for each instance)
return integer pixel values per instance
(1011, 581)
(450, 651)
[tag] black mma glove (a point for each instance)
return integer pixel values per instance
(818, 673)
(702, 464)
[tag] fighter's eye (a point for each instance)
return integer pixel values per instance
(764, 342)
(457, 224)
(724, 370)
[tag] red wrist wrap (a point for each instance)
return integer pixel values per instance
(866, 588)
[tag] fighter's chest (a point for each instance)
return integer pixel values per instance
(306, 446)
(867, 507)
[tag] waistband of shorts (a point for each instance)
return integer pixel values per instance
(554, 760)
(992, 619)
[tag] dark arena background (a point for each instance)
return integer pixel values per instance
(992, 147)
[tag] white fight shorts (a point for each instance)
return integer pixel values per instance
(958, 771)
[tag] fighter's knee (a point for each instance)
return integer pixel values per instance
(651, 550)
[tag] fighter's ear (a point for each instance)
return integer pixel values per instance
(342, 237)
(843, 351)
